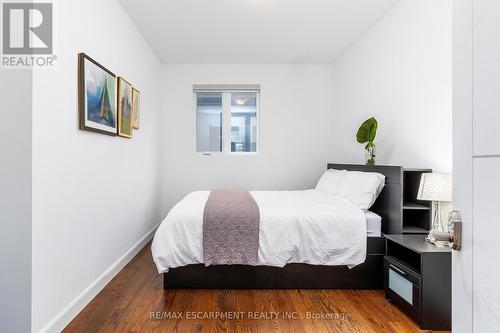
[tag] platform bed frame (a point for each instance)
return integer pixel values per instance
(368, 275)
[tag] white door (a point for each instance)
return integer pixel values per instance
(476, 164)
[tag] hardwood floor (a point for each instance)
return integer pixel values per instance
(135, 301)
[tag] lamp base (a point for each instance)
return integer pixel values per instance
(437, 235)
(437, 220)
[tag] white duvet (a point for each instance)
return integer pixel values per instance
(295, 227)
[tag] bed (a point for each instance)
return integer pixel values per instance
(298, 247)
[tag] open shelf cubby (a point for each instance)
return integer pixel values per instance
(417, 214)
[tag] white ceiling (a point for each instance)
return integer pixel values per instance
(253, 31)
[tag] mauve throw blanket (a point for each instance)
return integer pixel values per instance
(230, 228)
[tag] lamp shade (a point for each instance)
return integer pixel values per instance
(435, 187)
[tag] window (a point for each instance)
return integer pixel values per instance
(209, 121)
(227, 120)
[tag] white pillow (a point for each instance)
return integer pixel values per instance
(360, 188)
(328, 183)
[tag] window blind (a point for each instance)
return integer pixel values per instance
(226, 87)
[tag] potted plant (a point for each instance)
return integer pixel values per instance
(366, 135)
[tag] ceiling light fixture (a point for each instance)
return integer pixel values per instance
(241, 100)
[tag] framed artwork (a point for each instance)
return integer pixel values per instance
(96, 97)
(136, 109)
(124, 108)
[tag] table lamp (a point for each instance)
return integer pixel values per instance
(435, 187)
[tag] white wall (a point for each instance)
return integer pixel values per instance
(15, 200)
(296, 133)
(94, 196)
(399, 72)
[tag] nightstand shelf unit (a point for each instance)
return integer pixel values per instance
(413, 216)
(417, 279)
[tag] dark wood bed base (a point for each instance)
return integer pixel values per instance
(368, 275)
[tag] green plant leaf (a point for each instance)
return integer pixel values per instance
(367, 131)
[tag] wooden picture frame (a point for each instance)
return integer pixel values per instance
(96, 97)
(124, 101)
(136, 108)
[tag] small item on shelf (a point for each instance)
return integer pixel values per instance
(439, 238)
(370, 153)
(366, 134)
(440, 235)
(452, 238)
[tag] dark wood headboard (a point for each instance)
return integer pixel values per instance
(389, 204)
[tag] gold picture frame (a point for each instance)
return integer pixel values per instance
(124, 108)
(136, 108)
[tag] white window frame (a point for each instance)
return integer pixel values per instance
(226, 121)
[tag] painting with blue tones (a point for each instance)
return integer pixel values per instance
(97, 97)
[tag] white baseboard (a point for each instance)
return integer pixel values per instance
(63, 318)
